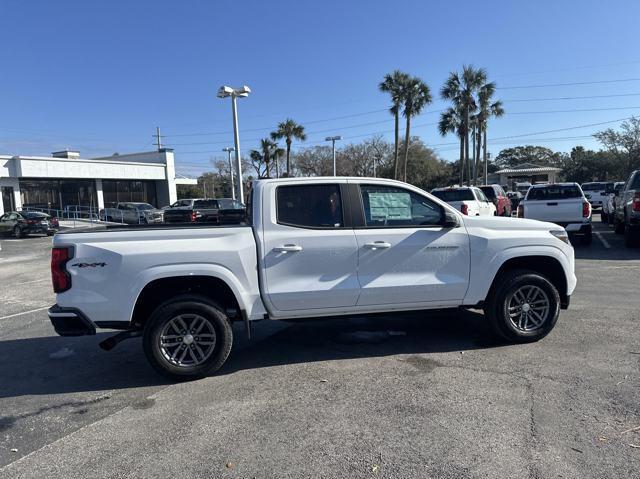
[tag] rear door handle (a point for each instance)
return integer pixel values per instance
(288, 248)
(552, 204)
(378, 245)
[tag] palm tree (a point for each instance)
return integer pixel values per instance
(451, 121)
(267, 147)
(486, 110)
(415, 96)
(289, 130)
(394, 83)
(460, 89)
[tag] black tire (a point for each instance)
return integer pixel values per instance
(587, 238)
(631, 237)
(500, 297)
(17, 232)
(187, 305)
(618, 226)
(604, 218)
(50, 233)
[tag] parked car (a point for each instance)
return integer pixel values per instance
(132, 213)
(561, 203)
(202, 210)
(515, 197)
(608, 204)
(22, 223)
(469, 200)
(627, 212)
(596, 192)
(315, 247)
(496, 194)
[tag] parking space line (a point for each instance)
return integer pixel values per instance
(24, 312)
(604, 241)
(34, 281)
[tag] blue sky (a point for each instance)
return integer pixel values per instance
(100, 76)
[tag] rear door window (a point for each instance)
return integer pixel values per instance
(310, 206)
(489, 191)
(389, 206)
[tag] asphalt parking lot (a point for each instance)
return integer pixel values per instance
(428, 395)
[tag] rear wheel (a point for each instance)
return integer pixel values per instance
(618, 226)
(604, 218)
(523, 306)
(188, 337)
(17, 232)
(587, 238)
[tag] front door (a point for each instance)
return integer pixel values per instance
(310, 255)
(405, 253)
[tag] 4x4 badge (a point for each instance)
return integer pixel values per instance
(89, 265)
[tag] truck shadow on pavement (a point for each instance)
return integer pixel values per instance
(353, 338)
(54, 365)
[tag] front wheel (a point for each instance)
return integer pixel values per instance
(631, 237)
(187, 337)
(17, 232)
(523, 306)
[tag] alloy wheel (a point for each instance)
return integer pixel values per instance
(187, 340)
(528, 308)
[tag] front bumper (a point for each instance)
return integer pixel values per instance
(70, 321)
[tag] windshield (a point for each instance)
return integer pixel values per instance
(463, 194)
(554, 192)
(144, 206)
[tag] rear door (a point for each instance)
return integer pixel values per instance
(485, 206)
(309, 249)
(405, 253)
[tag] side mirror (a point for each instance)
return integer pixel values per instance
(450, 220)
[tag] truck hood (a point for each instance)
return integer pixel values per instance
(502, 223)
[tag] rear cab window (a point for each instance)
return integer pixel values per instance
(310, 206)
(462, 194)
(210, 204)
(554, 192)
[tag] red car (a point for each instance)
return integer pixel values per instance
(496, 194)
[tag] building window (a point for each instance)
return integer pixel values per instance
(138, 191)
(57, 194)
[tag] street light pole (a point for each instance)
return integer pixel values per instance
(333, 140)
(229, 149)
(234, 93)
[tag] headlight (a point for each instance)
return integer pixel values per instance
(561, 235)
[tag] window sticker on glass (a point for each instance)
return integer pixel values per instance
(390, 206)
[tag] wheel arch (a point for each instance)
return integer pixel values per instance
(548, 266)
(159, 290)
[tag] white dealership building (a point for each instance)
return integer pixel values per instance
(66, 181)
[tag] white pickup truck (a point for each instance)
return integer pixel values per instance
(312, 247)
(561, 203)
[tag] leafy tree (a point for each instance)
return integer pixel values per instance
(289, 130)
(451, 121)
(515, 156)
(394, 84)
(415, 96)
(623, 144)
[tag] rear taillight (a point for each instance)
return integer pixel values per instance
(54, 222)
(586, 209)
(635, 204)
(465, 209)
(32, 222)
(60, 277)
(194, 216)
(520, 211)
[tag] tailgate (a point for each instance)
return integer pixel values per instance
(556, 211)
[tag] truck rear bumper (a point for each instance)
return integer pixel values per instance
(70, 321)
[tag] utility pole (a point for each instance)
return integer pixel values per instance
(158, 138)
(333, 140)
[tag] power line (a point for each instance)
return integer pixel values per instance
(571, 97)
(567, 84)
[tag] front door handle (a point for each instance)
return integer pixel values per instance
(288, 248)
(378, 245)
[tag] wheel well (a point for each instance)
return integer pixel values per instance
(545, 265)
(160, 290)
